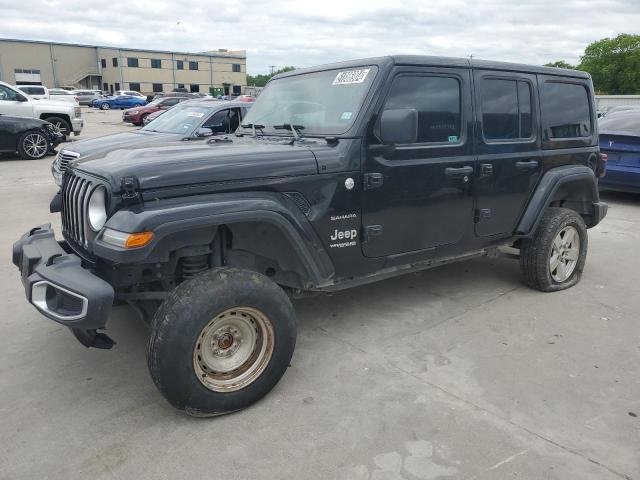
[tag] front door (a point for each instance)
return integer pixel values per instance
(419, 196)
(14, 103)
(508, 148)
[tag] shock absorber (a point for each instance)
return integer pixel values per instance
(192, 266)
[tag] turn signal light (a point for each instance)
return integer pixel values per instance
(136, 240)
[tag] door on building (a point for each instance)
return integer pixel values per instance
(237, 90)
(418, 196)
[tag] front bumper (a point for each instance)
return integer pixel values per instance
(76, 125)
(128, 117)
(56, 283)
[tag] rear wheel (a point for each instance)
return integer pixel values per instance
(221, 341)
(33, 145)
(554, 258)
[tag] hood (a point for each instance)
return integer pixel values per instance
(53, 104)
(189, 163)
(137, 139)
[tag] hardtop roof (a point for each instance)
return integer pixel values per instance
(427, 60)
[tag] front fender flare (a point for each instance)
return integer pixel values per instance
(171, 216)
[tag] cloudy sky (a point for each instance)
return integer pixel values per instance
(305, 33)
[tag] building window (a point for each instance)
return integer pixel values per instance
(237, 89)
(437, 100)
(193, 65)
(116, 86)
(135, 86)
(157, 88)
(179, 64)
(236, 67)
(132, 62)
(114, 61)
(506, 109)
(103, 62)
(181, 85)
(194, 87)
(156, 63)
(105, 87)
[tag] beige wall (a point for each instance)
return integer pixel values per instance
(66, 64)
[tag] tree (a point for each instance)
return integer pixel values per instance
(262, 79)
(614, 64)
(560, 64)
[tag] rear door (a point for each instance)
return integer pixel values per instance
(418, 196)
(508, 148)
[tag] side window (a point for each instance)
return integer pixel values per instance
(506, 109)
(218, 122)
(437, 100)
(565, 109)
(7, 94)
(169, 102)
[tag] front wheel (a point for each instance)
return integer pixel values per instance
(221, 341)
(105, 106)
(33, 145)
(554, 258)
(60, 125)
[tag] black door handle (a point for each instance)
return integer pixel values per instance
(528, 165)
(458, 172)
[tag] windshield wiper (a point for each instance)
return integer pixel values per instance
(253, 127)
(294, 129)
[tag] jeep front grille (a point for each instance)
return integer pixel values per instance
(75, 197)
(64, 157)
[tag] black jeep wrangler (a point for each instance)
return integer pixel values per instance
(341, 175)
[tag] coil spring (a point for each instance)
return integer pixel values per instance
(191, 266)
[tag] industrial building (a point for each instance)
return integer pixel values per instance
(219, 72)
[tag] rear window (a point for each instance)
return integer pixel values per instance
(33, 90)
(565, 110)
(624, 121)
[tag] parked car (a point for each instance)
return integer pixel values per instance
(86, 97)
(245, 98)
(32, 138)
(118, 101)
(620, 141)
(39, 92)
(340, 175)
(173, 94)
(138, 114)
(63, 95)
(185, 121)
(152, 116)
(65, 117)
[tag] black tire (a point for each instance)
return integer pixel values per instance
(142, 118)
(105, 106)
(33, 145)
(536, 253)
(60, 124)
(178, 327)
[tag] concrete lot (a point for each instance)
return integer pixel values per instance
(459, 372)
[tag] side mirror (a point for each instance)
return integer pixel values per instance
(399, 126)
(204, 132)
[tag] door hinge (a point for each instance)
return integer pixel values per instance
(373, 180)
(371, 231)
(482, 215)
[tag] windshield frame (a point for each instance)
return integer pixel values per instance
(362, 107)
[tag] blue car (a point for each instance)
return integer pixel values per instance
(620, 140)
(119, 101)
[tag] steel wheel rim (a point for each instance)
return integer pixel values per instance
(565, 252)
(35, 145)
(233, 349)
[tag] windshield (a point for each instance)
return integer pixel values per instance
(181, 119)
(322, 103)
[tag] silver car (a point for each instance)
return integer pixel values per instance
(85, 97)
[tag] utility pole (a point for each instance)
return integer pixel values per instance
(272, 68)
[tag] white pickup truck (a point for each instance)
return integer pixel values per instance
(65, 117)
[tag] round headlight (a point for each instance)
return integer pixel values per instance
(98, 208)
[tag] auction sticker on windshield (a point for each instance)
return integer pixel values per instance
(351, 76)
